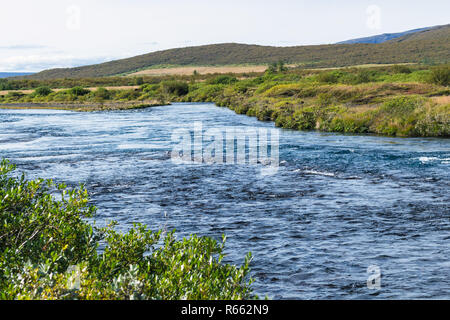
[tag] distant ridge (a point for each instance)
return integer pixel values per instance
(431, 45)
(383, 37)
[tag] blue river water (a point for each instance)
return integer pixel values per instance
(337, 204)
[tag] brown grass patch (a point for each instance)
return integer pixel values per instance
(441, 100)
(201, 70)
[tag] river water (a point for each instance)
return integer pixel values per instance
(337, 205)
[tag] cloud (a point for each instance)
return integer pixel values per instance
(39, 62)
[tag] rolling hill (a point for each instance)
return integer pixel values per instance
(427, 45)
(384, 37)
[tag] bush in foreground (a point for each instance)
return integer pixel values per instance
(49, 251)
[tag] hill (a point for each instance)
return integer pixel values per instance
(439, 33)
(383, 37)
(431, 45)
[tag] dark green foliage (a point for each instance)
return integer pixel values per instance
(363, 76)
(275, 67)
(205, 93)
(139, 81)
(49, 251)
(101, 94)
(223, 79)
(402, 105)
(6, 85)
(78, 91)
(329, 77)
(401, 69)
(42, 91)
(177, 88)
(441, 75)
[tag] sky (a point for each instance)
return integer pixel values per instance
(38, 35)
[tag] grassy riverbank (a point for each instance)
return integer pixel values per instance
(394, 101)
(401, 100)
(49, 251)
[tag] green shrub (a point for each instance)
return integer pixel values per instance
(326, 99)
(441, 75)
(101, 94)
(223, 79)
(329, 77)
(78, 91)
(279, 66)
(139, 81)
(363, 76)
(401, 69)
(205, 93)
(5, 85)
(127, 95)
(42, 92)
(177, 88)
(305, 119)
(402, 105)
(147, 88)
(49, 251)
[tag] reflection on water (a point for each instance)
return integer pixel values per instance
(337, 205)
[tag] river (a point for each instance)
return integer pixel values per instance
(337, 205)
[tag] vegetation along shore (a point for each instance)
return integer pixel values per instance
(398, 100)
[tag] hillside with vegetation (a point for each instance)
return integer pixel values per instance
(430, 46)
(383, 37)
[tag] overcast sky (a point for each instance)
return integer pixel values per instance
(37, 35)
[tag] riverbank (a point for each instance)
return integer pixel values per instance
(83, 107)
(404, 101)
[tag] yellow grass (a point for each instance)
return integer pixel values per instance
(201, 70)
(442, 100)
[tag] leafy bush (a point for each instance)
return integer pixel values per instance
(42, 91)
(5, 85)
(178, 88)
(329, 77)
(205, 93)
(101, 94)
(401, 69)
(441, 75)
(223, 79)
(79, 91)
(139, 81)
(363, 76)
(402, 105)
(49, 251)
(279, 66)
